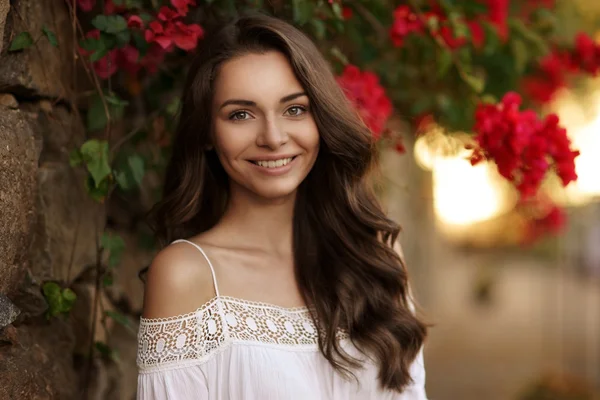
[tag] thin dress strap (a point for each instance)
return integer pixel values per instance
(212, 270)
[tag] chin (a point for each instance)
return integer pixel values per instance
(274, 191)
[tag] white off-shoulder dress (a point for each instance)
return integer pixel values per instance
(233, 349)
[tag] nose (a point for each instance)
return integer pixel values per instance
(272, 134)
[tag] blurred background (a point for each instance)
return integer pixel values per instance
(506, 265)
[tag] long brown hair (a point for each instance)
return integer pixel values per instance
(345, 265)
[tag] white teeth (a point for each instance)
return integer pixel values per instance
(274, 163)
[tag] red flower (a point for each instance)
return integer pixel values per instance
(128, 59)
(86, 5)
(586, 54)
(135, 22)
(153, 58)
(368, 96)
(182, 6)
(550, 78)
(346, 13)
(405, 23)
(522, 146)
(172, 32)
(552, 220)
(111, 8)
(498, 16)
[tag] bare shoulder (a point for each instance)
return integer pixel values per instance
(179, 281)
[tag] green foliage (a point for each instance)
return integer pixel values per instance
(94, 154)
(115, 246)
(60, 301)
(51, 36)
(97, 117)
(121, 320)
(22, 41)
(106, 351)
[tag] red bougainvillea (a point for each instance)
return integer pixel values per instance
(368, 96)
(553, 70)
(86, 5)
(406, 22)
(169, 30)
(543, 218)
(523, 146)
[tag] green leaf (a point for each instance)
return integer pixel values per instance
(115, 100)
(121, 319)
(107, 280)
(140, 43)
(146, 17)
(96, 116)
(68, 300)
(520, 54)
(106, 351)
(100, 22)
(95, 154)
(97, 193)
(318, 28)
(110, 23)
(301, 11)
(75, 158)
(60, 301)
(444, 62)
(489, 99)
(51, 36)
(337, 10)
(69, 295)
(476, 83)
(492, 40)
(22, 41)
(173, 107)
(136, 165)
(337, 53)
(540, 46)
(98, 55)
(115, 246)
(123, 38)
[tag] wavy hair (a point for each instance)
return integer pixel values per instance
(345, 265)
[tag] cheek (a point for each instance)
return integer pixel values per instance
(229, 142)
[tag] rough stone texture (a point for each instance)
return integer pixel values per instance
(4, 7)
(19, 152)
(66, 224)
(8, 311)
(42, 70)
(8, 100)
(35, 361)
(60, 129)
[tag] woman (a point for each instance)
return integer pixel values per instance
(287, 286)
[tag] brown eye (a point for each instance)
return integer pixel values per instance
(295, 111)
(239, 116)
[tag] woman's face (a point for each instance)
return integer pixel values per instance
(264, 132)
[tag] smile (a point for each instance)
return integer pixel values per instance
(273, 163)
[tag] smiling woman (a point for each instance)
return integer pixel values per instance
(279, 279)
(263, 126)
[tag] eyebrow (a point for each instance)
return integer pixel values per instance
(249, 103)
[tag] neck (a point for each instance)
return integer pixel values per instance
(261, 223)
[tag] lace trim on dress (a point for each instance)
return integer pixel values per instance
(197, 336)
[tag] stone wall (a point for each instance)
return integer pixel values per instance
(48, 225)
